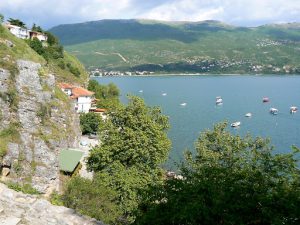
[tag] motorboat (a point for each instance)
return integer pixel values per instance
(164, 94)
(265, 99)
(183, 104)
(219, 100)
(293, 109)
(248, 114)
(141, 91)
(273, 111)
(235, 124)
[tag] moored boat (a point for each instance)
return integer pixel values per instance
(293, 109)
(274, 111)
(265, 99)
(248, 114)
(183, 104)
(219, 100)
(235, 124)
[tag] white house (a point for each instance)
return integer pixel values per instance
(83, 99)
(24, 33)
(19, 32)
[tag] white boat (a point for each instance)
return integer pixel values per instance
(274, 111)
(183, 104)
(164, 94)
(219, 100)
(248, 114)
(293, 109)
(235, 124)
(141, 91)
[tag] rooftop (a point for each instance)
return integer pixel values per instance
(79, 91)
(65, 85)
(69, 159)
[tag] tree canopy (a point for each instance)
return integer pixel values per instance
(133, 135)
(229, 180)
(16, 22)
(89, 123)
(108, 95)
(134, 144)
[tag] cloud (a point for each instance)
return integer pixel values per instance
(239, 12)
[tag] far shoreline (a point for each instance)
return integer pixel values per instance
(195, 74)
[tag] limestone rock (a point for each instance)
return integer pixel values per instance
(17, 208)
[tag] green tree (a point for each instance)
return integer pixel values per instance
(133, 146)
(108, 95)
(36, 28)
(16, 22)
(89, 123)
(1, 18)
(51, 40)
(92, 198)
(229, 180)
(37, 46)
(133, 135)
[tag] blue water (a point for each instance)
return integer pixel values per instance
(241, 94)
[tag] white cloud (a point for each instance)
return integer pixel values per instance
(239, 12)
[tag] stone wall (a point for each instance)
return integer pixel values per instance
(20, 209)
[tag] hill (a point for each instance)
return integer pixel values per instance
(198, 47)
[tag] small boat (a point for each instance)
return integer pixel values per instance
(141, 91)
(183, 104)
(265, 99)
(235, 124)
(164, 94)
(248, 114)
(293, 109)
(219, 100)
(273, 111)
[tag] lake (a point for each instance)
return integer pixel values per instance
(241, 94)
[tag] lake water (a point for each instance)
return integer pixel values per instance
(241, 94)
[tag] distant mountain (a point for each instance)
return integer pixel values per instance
(179, 47)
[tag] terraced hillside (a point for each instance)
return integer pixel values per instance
(199, 47)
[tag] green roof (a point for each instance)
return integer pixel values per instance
(69, 159)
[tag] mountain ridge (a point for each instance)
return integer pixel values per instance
(183, 46)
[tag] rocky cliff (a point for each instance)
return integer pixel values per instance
(42, 121)
(21, 209)
(37, 119)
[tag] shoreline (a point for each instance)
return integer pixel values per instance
(195, 74)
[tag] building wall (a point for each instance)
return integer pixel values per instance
(84, 104)
(19, 32)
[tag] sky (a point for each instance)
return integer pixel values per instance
(49, 13)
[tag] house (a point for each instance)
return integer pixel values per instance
(19, 32)
(24, 33)
(83, 98)
(69, 160)
(40, 36)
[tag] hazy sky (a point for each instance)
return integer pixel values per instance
(48, 13)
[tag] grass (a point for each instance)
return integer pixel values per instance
(25, 188)
(10, 134)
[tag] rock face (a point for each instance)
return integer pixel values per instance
(20, 209)
(46, 123)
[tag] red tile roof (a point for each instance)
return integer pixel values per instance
(98, 110)
(65, 86)
(79, 92)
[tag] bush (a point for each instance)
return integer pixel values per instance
(92, 198)
(90, 123)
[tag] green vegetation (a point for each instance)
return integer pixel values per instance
(230, 180)
(89, 123)
(16, 22)
(133, 146)
(1, 18)
(201, 47)
(10, 134)
(106, 95)
(92, 198)
(25, 188)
